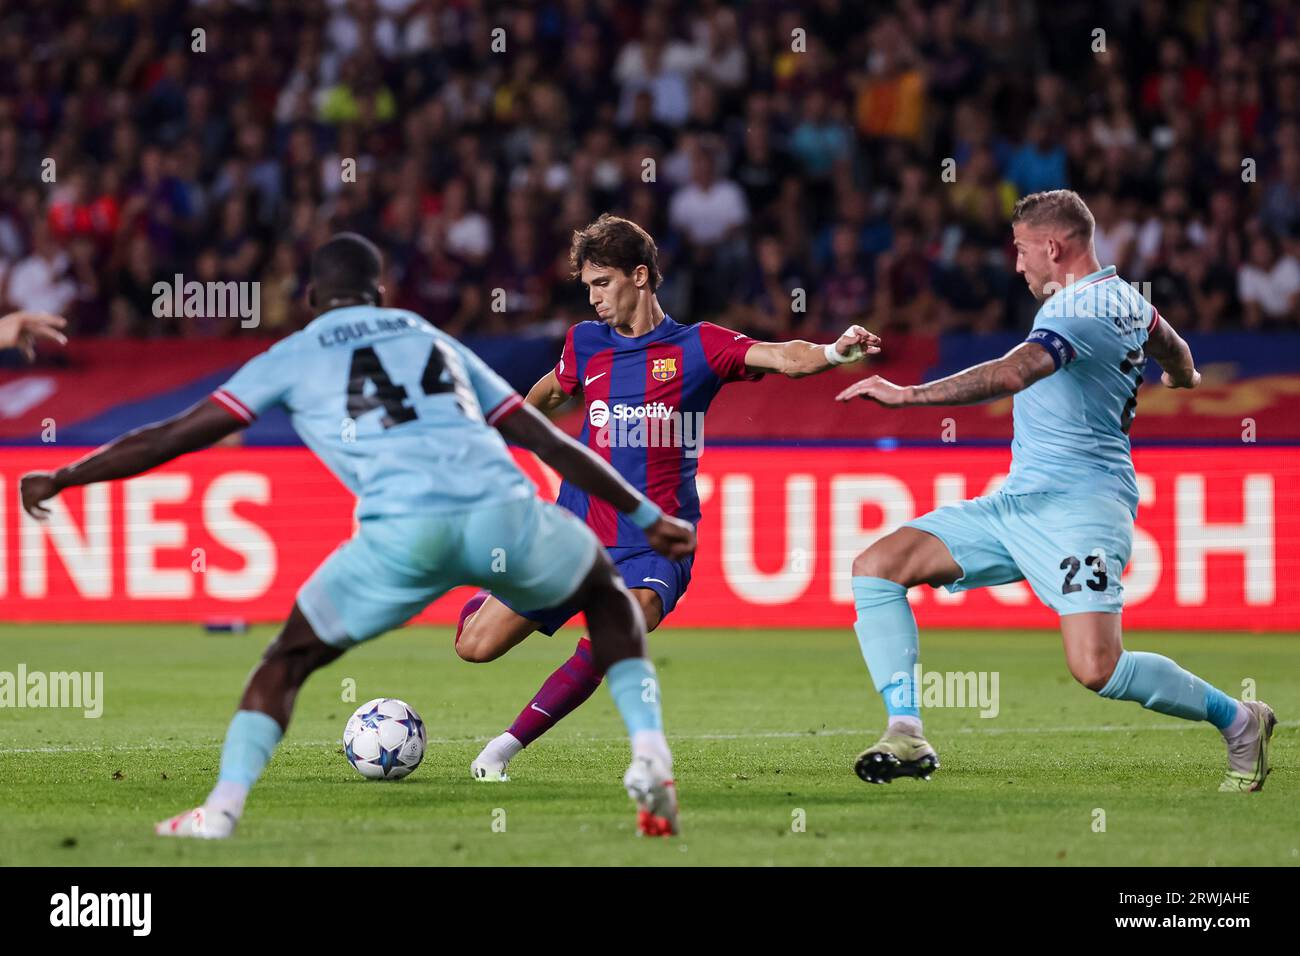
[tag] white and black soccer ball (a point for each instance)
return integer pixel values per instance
(384, 739)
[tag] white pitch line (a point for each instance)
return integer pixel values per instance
(770, 735)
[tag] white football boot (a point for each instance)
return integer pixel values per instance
(199, 823)
(1248, 757)
(650, 784)
(490, 765)
(488, 769)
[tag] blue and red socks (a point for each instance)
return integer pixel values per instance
(562, 693)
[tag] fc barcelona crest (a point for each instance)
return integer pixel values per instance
(663, 369)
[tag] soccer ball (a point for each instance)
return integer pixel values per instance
(384, 739)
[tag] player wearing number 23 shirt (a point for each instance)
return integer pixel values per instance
(1063, 520)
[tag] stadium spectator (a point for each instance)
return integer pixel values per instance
(903, 276)
(280, 291)
(660, 65)
(43, 280)
(971, 291)
(131, 307)
(1214, 290)
(398, 119)
(891, 101)
(1280, 210)
(707, 210)
(1040, 163)
(1115, 237)
(979, 177)
(766, 302)
(846, 294)
(468, 232)
(1268, 285)
(720, 53)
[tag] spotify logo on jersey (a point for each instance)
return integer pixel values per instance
(598, 413)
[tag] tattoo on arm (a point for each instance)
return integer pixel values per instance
(1169, 349)
(1014, 372)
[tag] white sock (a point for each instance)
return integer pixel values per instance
(652, 744)
(911, 726)
(1239, 724)
(503, 747)
(227, 797)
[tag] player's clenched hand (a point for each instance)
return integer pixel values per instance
(1171, 382)
(671, 537)
(856, 342)
(876, 389)
(38, 486)
(20, 330)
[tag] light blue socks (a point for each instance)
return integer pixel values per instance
(1158, 684)
(886, 630)
(250, 741)
(635, 689)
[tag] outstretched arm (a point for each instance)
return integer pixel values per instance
(798, 358)
(22, 330)
(1168, 348)
(135, 452)
(528, 428)
(1024, 365)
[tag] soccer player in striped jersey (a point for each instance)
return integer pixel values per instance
(646, 381)
(1063, 521)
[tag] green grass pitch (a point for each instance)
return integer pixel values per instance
(764, 726)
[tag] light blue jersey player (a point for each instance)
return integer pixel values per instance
(401, 413)
(1063, 520)
(412, 422)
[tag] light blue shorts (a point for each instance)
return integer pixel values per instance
(1071, 548)
(530, 551)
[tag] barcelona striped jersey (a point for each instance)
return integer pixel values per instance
(645, 400)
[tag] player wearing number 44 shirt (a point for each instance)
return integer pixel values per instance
(646, 381)
(413, 423)
(1063, 521)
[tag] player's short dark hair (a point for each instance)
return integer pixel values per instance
(617, 243)
(348, 264)
(1056, 207)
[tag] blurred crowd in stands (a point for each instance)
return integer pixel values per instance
(801, 165)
